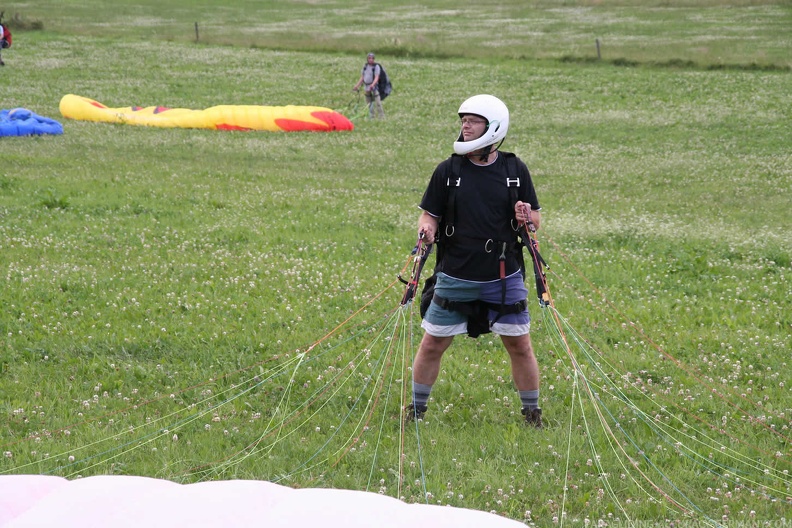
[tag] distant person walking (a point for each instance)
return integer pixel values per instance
(369, 79)
(5, 38)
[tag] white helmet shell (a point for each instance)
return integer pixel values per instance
(497, 115)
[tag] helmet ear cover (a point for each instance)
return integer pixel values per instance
(496, 114)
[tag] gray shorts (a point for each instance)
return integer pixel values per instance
(441, 322)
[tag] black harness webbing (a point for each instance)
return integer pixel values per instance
(467, 307)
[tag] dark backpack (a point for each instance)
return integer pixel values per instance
(383, 85)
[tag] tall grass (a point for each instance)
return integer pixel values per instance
(167, 293)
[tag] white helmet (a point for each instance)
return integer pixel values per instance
(497, 115)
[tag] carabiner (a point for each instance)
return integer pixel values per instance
(488, 245)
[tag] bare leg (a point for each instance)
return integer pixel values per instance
(426, 365)
(525, 368)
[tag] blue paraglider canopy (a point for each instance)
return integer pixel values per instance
(23, 122)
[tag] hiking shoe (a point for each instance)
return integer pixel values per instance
(533, 417)
(414, 412)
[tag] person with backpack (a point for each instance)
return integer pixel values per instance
(473, 207)
(5, 40)
(369, 79)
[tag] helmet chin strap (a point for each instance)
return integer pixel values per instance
(484, 152)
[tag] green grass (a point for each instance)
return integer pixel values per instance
(717, 33)
(160, 285)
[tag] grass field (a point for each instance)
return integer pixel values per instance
(191, 304)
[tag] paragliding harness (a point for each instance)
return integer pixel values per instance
(477, 311)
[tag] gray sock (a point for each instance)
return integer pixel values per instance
(530, 399)
(421, 393)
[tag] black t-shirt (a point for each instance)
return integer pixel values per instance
(483, 211)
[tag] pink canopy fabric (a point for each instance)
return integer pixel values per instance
(126, 501)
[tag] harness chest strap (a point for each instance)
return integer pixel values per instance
(455, 180)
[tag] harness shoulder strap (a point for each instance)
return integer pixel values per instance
(452, 183)
(513, 177)
(447, 224)
(514, 182)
